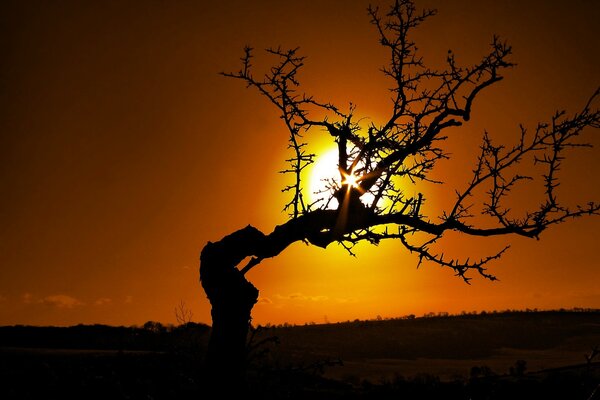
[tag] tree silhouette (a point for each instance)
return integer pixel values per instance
(367, 203)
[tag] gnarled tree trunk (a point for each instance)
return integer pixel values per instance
(232, 296)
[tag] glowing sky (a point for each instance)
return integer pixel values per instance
(122, 152)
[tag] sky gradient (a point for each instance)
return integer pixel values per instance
(122, 152)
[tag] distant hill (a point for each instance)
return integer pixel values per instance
(454, 336)
(443, 345)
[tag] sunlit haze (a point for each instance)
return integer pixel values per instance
(324, 174)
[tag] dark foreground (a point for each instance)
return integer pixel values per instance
(537, 355)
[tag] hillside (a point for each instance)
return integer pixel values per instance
(444, 345)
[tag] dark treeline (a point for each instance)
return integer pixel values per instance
(444, 314)
(487, 330)
(151, 336)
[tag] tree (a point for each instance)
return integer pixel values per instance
(367, 203)
(183, 314)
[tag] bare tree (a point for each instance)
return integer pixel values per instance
(183, 314)
(425, 104)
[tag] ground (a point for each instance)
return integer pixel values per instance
(519, 355)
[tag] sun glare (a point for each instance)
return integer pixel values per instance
(324, 174)
(350, 180)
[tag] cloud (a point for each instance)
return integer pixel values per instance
(28, 298)
(61, 301)
(264, 300)
(103, 301)
(301, 296)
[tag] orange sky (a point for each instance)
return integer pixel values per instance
(122, 152)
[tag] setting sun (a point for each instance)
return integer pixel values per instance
(324, 175)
